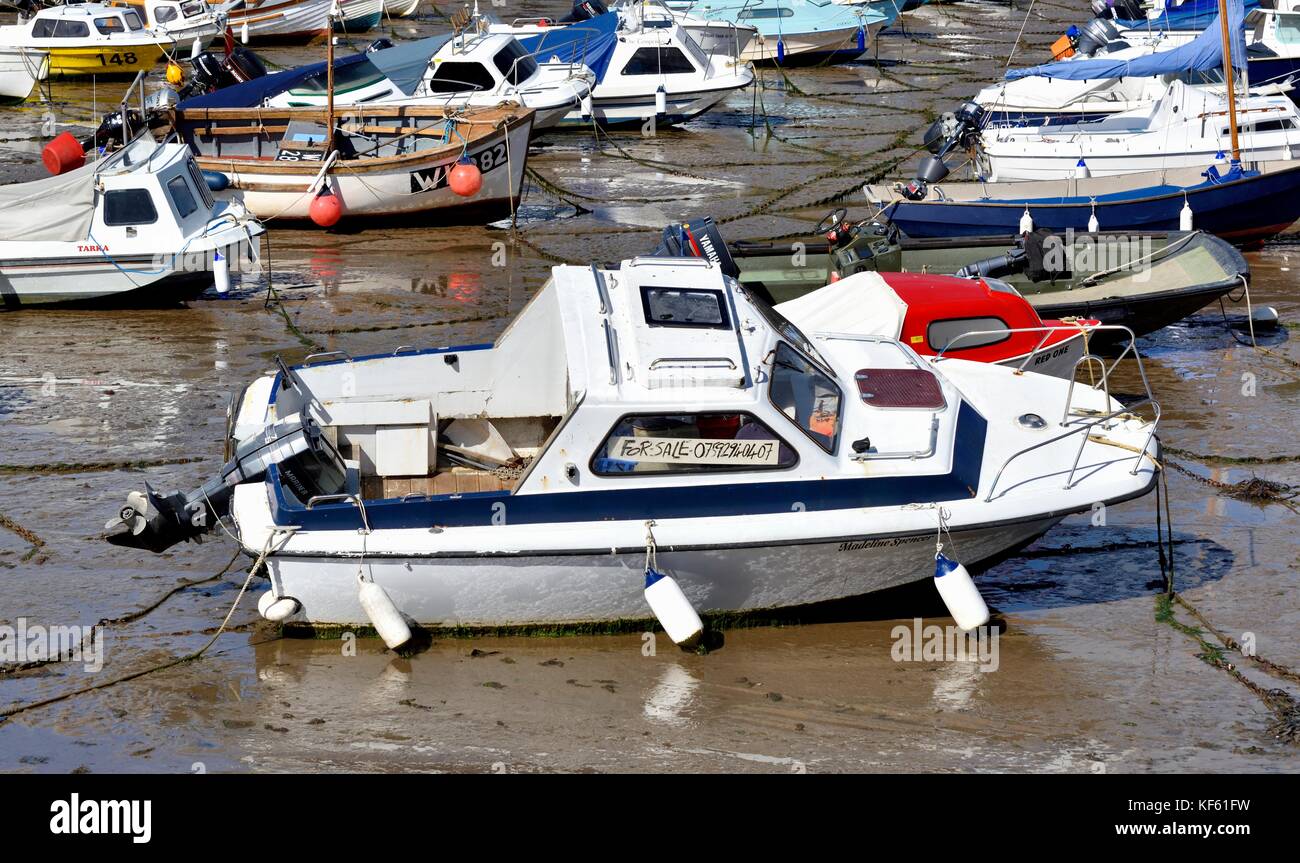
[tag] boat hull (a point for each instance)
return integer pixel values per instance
(805, 49)
(283, 21)
(1242, 211)
(585, 588)
(628, 111)
(280, 190)
(19, 71)
(104, 60)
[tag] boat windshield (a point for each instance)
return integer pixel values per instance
(191, 10)
(789, 331)
(806, 395)
(133, 21)
(514, 63)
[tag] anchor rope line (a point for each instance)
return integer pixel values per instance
(171, 663)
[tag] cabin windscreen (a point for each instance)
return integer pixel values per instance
(806, 395)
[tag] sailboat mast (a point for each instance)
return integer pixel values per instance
(329, 84)
(1227, 79)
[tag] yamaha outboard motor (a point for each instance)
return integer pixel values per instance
(213, 70)
(699, 238)
(307, 461)
(585, 10)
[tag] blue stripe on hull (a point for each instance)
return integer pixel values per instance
(639, 504)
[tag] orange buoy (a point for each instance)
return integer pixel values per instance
(835, 277)
(175, 76)
(63, 154)
(326, 209)
(465, 179)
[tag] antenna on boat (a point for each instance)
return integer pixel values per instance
(1227, 77)
(329, 81)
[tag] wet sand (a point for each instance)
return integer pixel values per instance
(1088, 678)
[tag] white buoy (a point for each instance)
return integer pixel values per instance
(277, 608)
(1264, 317)
(586, 105)
(1026, 222)
(1093, 225)
(220, 271)
(1081, 171)
(196, 48)
(243, 33)
(675, 613)
(959, 593)
(1185, 217)
(661, 100)
(383, 613)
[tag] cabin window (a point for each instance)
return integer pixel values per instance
(109, 26)
(1288, 29)
(456, 77)
(809, 397)
(778, 12)
(657, 61)
(514, 63)
(129, 207)
(44, 28)
(133, 21)
(940, 333)
(685, 307)
(190, 10)
(1265, 126)
(711, 442)
(182, 197)
(163, 14)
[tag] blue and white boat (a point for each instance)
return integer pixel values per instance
(1243, 206)
(647, 66)
(650, 419)
(799, 32)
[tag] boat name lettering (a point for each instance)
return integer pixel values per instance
(93, 249)
(686, 450)
(894, 542)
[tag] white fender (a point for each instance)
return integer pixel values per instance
(675, 613)
(277, 609)
(1026, 222)
(1185, 217)
(220, 271)
(383, 613)
(959, 593)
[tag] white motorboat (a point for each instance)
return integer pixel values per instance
(139, 225)
(183, 21)
(278, 20)
(654, 417)
(714, 36)
(464, 69)
(647, 66)
(401, 8)
(89, 39)
(20, 69)
(1186, 127)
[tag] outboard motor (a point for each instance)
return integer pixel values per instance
(213, 70)
(699, 238)
(307, 461)
(1095, 35)
(381, 44)
(995, 267)
(585, 10)
(960, 128)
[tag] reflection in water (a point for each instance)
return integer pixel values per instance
(672, 696)
(956, 684)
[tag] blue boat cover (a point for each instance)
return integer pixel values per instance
(1203, 53)
(403, 64)
(591, 42)
(1189, 15)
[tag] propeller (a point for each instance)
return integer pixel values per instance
(135, 514)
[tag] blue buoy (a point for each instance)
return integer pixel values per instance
(780, 50)
(216, 180)
(862, 39)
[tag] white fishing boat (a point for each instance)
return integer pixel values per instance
(20, 69)
(384, 160)
(459, 70)
(652, 420)
(278, 20)
(401, 8)
(358, 16)
(139, 226)
(183, 21)
(647, 66)
(714, 36)
(86, 39)
(1186, 127)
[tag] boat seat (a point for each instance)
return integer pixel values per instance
(899, 388)
(457, 480)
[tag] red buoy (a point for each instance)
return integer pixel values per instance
(465, 179)
(63, 154)
(835, 277)
(326, 209)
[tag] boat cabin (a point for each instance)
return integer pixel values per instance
(82, 21)
(646, 376)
